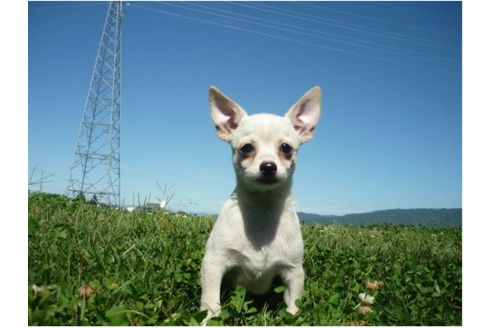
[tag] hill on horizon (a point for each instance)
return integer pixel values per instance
(443, 217)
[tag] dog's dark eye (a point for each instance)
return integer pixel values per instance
(286, 149)
(247, 148)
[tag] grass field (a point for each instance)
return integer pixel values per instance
(91, 265)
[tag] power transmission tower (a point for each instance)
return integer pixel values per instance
(95, 169)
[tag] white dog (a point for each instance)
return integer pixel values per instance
(257, 235)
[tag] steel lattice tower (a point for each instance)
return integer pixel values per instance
(95, 170)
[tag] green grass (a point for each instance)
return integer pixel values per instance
(144, 270)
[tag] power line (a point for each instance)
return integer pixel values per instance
(362, 27)
(293, 40)
(340, 36)
(308, 34)
(376, 19)
(320, 20)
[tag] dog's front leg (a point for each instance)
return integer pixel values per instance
(294, 283)
(212, 273)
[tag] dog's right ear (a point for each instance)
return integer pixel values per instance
(226, 114)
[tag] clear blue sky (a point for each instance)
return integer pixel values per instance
(390, 131)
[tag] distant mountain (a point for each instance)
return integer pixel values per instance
(206, 214)
(421, 216)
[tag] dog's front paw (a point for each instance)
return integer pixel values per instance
(292, 309)
(211, 313)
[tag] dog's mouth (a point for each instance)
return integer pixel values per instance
(267, 181)
(264, 183)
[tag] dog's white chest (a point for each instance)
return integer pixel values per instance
(259, 247)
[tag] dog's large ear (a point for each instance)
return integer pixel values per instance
(226, 114)
(304, 115)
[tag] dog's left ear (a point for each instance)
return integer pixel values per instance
(304, 115)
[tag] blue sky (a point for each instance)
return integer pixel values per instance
(390, 131)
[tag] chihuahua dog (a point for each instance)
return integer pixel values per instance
(257, 235)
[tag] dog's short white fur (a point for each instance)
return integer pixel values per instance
(257, 235)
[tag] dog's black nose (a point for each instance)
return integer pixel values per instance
(268, 169)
